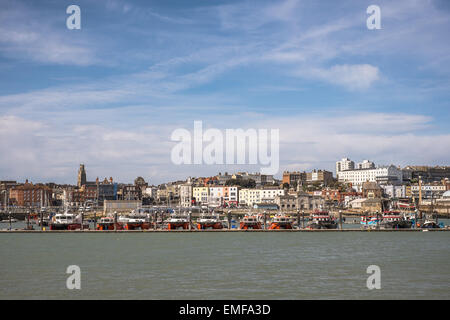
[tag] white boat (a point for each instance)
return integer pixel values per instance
(67, 221)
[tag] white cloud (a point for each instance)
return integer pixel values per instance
(353, 77)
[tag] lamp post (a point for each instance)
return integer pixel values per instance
(190, 219)
(303, 219)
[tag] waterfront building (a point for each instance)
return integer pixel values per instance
(300, 201)
(381, 175)
(433, 189)
(111, 206)
(151, 192)
(200, 195)
(129, 192)
(249, 197)
(231, 196)
(5, 186)
(216, 196)
(186, 195)
(394, 191)
(75, 197)
(30, 195)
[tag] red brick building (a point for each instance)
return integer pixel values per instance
(30, 195)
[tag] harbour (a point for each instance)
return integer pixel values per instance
(225, 265)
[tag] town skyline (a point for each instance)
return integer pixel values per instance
(313, 70)
(278, 176)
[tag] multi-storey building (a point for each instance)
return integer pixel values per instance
(200, 195)
(5, 186)
(321, 176)
(381, 175)
(344, 164)
(75, 197)
(293, 176)
(429, 190)
(231, 196)
(299, 201)
(251, 197)
(426, 173)
(216, 196)
(395, 191)
(366, 164)
(30, 195)
(186, 195)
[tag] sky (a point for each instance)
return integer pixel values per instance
(110, 94)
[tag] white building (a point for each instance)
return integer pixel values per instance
(186, 195)
(393, 191)
(366, 164)
(429, 190)
(344, 164)
(250, 197)
(381, 175)
(152, 192)
(231, 196)
(216, 196)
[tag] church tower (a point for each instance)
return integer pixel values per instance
(81, 176)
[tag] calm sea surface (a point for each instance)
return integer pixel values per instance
(414, 265)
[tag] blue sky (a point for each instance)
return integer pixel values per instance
(109, 95)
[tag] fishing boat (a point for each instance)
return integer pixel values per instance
(177, 222)
(67, 221)
(394, 220)
(280, 221)
(209, 221)
(250, 222)
(321, 220)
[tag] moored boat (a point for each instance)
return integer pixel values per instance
(67, 221)
(430, 224)
(321, 220)
(370, 222)
(250, 222)
(394, 220)
(177, 222)
(209, 221)
(280, 221)
(107, 223)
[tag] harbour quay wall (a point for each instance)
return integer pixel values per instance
(225, 230)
